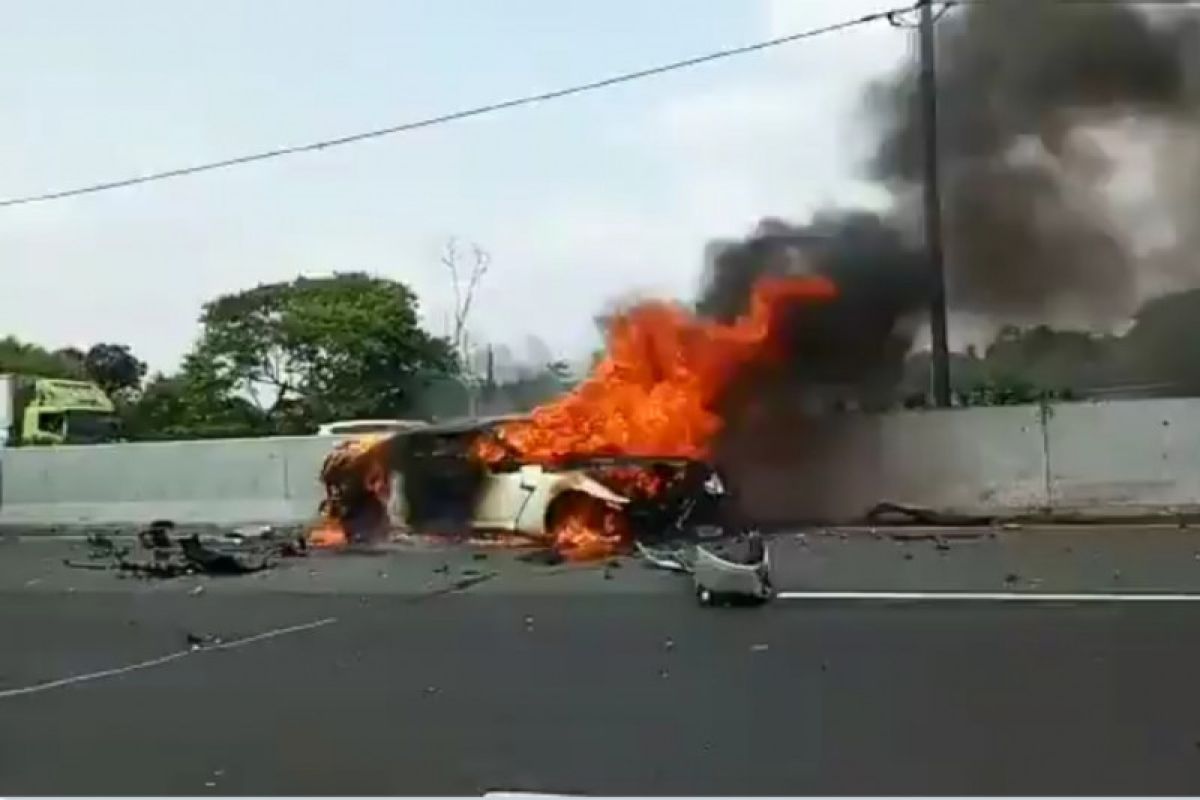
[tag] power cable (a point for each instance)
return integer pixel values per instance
(454, 116)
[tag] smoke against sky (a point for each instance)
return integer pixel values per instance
(1024, 90)
(1045, 115)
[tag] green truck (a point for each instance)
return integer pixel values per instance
(42, 411)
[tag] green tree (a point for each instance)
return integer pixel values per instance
(313, 349)
(114, 368)
(31, 359)
(193, 404)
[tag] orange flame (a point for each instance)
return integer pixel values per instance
(358, 485)
(585, 529)
(655, 391)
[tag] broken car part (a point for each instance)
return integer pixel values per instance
(740, 573)
(163, 556)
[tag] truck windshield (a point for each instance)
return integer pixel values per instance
(90, 427)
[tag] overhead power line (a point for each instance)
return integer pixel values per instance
(454, 116)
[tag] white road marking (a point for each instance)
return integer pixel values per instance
(168, 658)
(995, 597)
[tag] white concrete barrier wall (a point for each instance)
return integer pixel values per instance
(1087, 459)
(1124, 457)
(977, 460)
(219, 482)
(983, 460)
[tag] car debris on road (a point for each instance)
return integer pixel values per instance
(732, 571)
(164, 554)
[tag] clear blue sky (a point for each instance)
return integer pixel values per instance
(581, 202)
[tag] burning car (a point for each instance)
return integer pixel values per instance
(431, 481)
(622, 457)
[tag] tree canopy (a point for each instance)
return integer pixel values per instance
(31, 359)
(315, 349)
(114, 368)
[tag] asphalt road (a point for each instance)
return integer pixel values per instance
(567, 681)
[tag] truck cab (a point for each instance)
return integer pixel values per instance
(50, 411)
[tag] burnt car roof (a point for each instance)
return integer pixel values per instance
(465, 425)
(632, 461)
(476, 425)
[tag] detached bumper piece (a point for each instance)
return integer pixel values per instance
(733, 573)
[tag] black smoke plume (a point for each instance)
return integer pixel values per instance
(855, 341)
(1024, 87)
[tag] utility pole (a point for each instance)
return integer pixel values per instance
(933, 213)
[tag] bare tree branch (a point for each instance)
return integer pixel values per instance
(465, 289)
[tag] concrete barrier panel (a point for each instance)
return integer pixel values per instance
(836, 468)
(1125, 456)
(217, 482)
(302, 458)
(973, 460)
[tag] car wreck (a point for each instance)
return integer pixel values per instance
(431, 481)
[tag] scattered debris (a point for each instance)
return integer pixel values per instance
(479, 556)
(759, 648)
(908, 556)
(164, 554)
(197, 590)
(198, 641)
(467, 582)
(1011, 578)
(668, 557)
(941, 544)
(664, 673)
(1011, 526)
(431, 690)
(157, 535)
(85, 565)
(102, 546)
(899, 513)
(669, 644)
(548, 557)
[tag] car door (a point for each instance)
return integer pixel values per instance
(502, 496)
